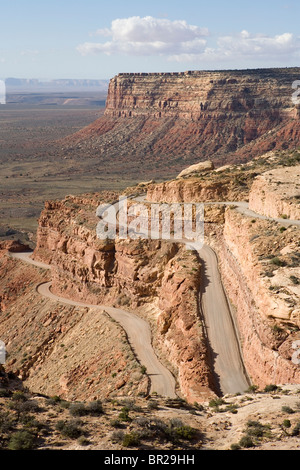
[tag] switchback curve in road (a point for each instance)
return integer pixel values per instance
(137, 330)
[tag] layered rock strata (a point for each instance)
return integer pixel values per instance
(183, 118)
(131, 274)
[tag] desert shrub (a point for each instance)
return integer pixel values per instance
(286, 423)
(216, 402)
(296, 430)
(252, 389)
(29, 406)
(124, 415)
(232, 407)
(31, 423)
(20, 406)
(288, 410)
(4, 393)
(295, 280)
(176, 431)
(235, 446)
(116, 423)
(117, 436)
(77, 409)
(255, 429)
(152, 405)
(246, 442)
(185, 432)
(95, 408)
(19, 396)
(71, 429)
(271, 388)
(143, 422)
(131, 440)
(6, 422)
(278, 262)
(53, 400)
(22, 440)
(83, 441)
(64, 404)
(277, 329)
(130, 405)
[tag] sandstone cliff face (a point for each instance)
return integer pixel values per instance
(276, 193)
(183, 118)
(210, 187)
(267, 309)
(190, 94)
(133, 274)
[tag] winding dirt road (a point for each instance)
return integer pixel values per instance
(222, 336)
(137, 331)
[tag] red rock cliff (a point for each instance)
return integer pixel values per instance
(180, 118)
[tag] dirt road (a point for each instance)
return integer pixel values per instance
(137, 331)
(223, 341)
(224, 345)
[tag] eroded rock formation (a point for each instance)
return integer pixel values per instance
(171, 120)
(133, 274)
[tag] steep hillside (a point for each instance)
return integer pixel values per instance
(158, 120)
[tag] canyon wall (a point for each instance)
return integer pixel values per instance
(169, 120)
(265, 299)
(141, 275)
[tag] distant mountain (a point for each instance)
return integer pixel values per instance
(59, 85)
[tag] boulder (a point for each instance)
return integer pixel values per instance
(197, 168)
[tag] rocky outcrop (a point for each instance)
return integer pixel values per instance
(169, 121)
(276, 193)
(197, 168)
(202, 188)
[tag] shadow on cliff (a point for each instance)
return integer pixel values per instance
(211, 355)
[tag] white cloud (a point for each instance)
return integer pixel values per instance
(148, 36)
(181, 42)
(245, 46)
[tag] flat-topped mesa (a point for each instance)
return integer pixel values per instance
(194, 94)
(164, 122)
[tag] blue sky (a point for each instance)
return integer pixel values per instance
(98, 39)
